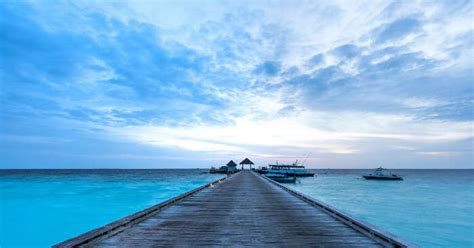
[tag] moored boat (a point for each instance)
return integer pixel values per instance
(382, 174)
(281, 178)
(292, 170)
(262, 170)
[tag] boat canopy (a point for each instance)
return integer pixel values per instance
(285, 166)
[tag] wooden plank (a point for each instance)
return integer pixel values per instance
(121, 224)
(243, 210)
(366, 228)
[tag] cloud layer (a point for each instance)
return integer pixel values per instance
(141, 84)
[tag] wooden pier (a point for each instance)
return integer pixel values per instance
(245, 209)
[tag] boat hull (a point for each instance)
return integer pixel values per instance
(292, 173)
(284, 179)
(383, 178)
(281, 178)
(300, 174)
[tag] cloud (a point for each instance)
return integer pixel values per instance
(350, 83)
(316, 60)
(268, 68)
(439, 154)
(397, 30)
(346, 51)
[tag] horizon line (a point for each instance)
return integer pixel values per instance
(201, 168)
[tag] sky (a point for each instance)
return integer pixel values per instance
(167, 84)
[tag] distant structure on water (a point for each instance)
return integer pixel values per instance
(229, 168)
(291, 170)
(246, 161)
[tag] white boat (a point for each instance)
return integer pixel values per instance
(382, 174)
(281, 178)
(292, 170)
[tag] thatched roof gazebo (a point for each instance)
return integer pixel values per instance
(246, 161)
(231, 163)
(231, 167)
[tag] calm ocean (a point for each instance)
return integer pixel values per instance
(431, 208)
(38, 208)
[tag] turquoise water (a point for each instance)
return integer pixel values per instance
(39, 208)
(431, 208)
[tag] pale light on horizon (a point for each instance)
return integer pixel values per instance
(140, 84)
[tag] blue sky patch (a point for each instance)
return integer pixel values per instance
(141, 84)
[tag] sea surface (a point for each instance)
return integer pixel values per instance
(431, 208)
(38, 208)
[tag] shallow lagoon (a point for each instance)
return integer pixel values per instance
(431, 208)
(38, 208)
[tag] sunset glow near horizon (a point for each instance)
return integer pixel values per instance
(163, 84)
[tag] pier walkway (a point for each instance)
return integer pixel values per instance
(244, 210)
